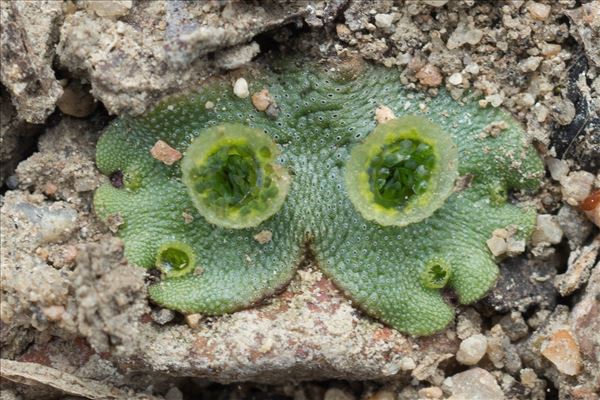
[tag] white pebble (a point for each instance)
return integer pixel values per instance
(577, 186)
(240, 88)
(383, 21)
(472, 350)
(558, 168)
(547, 230)
(539, 11)
(455, 79)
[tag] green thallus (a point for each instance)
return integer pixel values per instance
(377, 205)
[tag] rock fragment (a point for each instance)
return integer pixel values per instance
(240, 88)
(432, 393)
(429, 75)
(547, 231)
(54, 313)
(109, 8)
(472, 350)
(264, 236)
(558, 168)
(165, 153)
(237, 56)
(455, 79)
(435, 3)
(26, 58)
(503, 242)
(574, 225)
(585, 324)
(464, 35)
(577, 186)
(474, 384)
(262, 100)
(586, 28)
(580, 264)
(538, 11)
(530, 64)
(384, 21)
(562, 350)
(162, 315)
(193, 320)
(497, 245)
(383, 114)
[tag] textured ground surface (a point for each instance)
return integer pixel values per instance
(71, 303)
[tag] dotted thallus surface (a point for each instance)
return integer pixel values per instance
(321, 118)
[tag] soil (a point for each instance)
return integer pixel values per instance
(74, 318)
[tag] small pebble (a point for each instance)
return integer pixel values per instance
(343, 32)
(264, 236)
(472, 69)
(472, 350)
(574, 225)
(495, 100)
(456, 79)
(435, 3)
(383, 114)
(53, 313)
(538, 11)
(528, 377)
(240, 88)
(429, 75)
(562, 350)
(432, 392)
(165, 153)
(193, 320)
(563, 111)
(547, 230)
(383, 21)
(272, 111)
(407, 364)
(464, 35)
(12, 182)
(530, 64)
(474, 384)
(514, 246)
(577, 186)
(109, 8)
(497, 245)
(261, 100)
(56, 224)
(550, 49)
(559, 169)
(162, 316)
(209, 105)
(50, 189)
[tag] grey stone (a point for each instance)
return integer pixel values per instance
(474, 384)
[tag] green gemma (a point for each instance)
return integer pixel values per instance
(378, 206)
